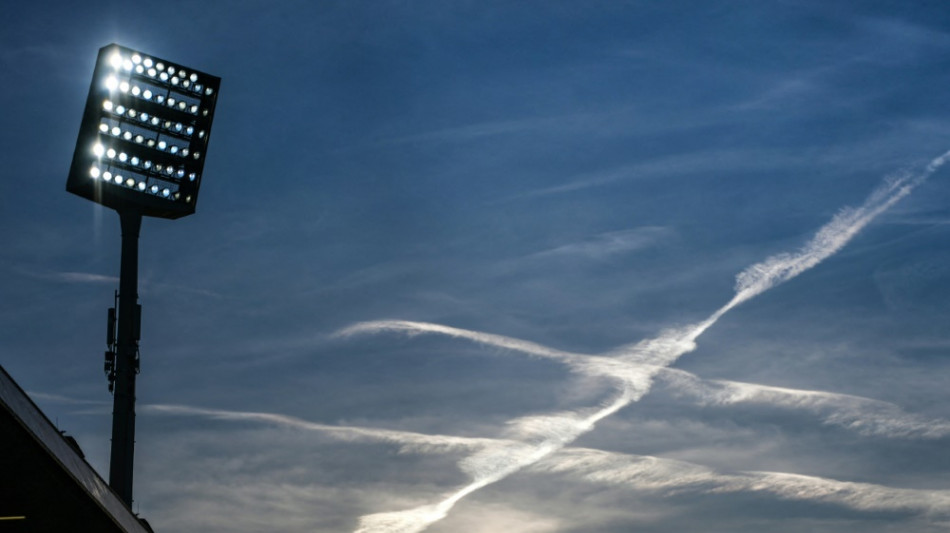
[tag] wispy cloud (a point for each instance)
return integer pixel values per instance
(801, 85)
(557, 431)
(667, 476)
(58, 398)
(667, 166)
(607, 244)
(910, 38)
(609, 121)
(93, 278)
(75, 277)
(182, 289)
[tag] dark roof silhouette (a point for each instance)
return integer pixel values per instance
(46, 484)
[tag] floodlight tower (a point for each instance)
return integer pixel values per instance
(141, 151)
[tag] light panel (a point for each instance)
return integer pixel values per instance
(144, 134)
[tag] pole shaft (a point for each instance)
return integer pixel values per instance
(126, 360)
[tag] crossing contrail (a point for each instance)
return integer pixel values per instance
(495, 458)
(652, 354)
(866, 416)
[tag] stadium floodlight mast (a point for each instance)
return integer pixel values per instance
(141, 151)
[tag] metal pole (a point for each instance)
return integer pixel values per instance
(126, 361)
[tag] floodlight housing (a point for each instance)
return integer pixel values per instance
(144, 134)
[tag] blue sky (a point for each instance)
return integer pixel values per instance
(472, 266)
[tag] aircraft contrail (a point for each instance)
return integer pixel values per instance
(494, 458)
(499, 341)
(661, 351)
(407, 440)
(865, 416)
(668, 476)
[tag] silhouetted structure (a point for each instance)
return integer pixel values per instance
(46, 484)
(141, 151)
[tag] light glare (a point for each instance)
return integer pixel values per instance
(125, 76)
